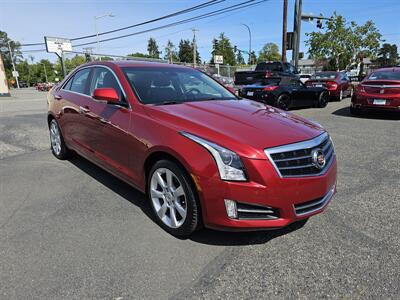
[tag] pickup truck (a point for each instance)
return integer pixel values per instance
(265, 70)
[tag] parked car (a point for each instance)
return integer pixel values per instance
(202, 155)
(379, 90)
(304, 77)
(263, 71)
(286, 93)
(22, 84)
(337, 83)
(44, 86)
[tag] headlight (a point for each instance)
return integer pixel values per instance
(229, 165)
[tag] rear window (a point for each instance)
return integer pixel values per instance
(385, 75)
(275, 66)
(324, 75)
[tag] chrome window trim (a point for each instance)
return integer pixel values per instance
(381, 86)
(298, 146)
(320, 204)
(91, 97)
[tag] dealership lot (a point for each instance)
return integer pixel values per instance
(70, 230)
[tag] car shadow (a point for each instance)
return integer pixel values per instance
(370, 114)
(204, 236)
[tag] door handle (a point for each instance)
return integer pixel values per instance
(104, 121)
(83, 110)
(57, 97)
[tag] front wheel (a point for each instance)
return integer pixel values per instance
(57, 144)
(323, 99)
(341, 95)
(173, 199)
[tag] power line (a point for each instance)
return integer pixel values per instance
(187, 10)
(207, 15)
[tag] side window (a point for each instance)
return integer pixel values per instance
(68, 85)
(104, 78)
(79, 81)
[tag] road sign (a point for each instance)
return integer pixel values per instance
(57, 45)
(15, 74)
(218, 59)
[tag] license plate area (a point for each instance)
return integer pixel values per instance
(379, 102)
(250, 93)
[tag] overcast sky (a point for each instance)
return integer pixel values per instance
(30, 21)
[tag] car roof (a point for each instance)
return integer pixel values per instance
(393, 69)
(136, 63)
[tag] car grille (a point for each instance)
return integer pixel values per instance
(296, 160)
(313, 205)
(256, 212)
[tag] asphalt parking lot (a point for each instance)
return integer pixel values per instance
(70, 230)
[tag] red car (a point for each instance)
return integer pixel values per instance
(337, 83)
(380, 90)
(202, 155)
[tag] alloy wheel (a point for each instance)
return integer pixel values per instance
(168, 197)
(55, 137)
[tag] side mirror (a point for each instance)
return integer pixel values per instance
(106, 94)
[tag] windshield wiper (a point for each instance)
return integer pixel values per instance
(167, 102)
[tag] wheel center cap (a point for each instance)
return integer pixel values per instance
(169, 197)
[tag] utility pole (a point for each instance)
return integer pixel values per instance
(12, 61)
(194, 47)
(296, 32)
(284, 30)
(45, 73)
(95, 28)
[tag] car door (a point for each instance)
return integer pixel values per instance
(111, 140)
(346, 84)
(74, 97)
(300, 94)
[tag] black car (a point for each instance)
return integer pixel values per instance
(286, 93)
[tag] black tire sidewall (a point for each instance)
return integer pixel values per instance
(323, 103)
(193, 217)
(279, 101)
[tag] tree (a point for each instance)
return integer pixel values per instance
(185, 52)
(5, 52)
(239, 58)
(170, 52)
(152, 48)
(222, 46)
(269, 52)
(252, 58)
(138, 54)
(342, 42)
(387, 55)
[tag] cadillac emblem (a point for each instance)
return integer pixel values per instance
(318, 158)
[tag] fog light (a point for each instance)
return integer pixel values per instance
(231, 209)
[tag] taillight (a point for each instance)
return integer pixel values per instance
(270, 88)
(331, 85)
(361, 88)
(267, 74)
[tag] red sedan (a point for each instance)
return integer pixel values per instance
(380, 90)
(337, 83)
(202, 155)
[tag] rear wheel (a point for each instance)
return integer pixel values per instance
(283, 102)
(57, 144)
(323, 99)
(173, 198)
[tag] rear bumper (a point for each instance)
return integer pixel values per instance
(366, 102)
(293, 199)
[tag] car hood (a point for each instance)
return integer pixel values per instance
(244, 126)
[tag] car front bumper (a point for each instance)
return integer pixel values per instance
(291, 199)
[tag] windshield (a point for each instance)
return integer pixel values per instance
(324, 75)
(385, 75)
(170, 85)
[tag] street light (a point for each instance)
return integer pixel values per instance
(248, 28)
(95, 27)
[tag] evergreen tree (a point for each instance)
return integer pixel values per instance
(222, 46)
(239, 58)
(152, 48)
(185, 52)
(170, 52)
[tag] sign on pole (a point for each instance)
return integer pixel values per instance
(57, 45)
(218, 59)
(15, 74)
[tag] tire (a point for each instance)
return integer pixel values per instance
(57, 144)
(283, 102)
(323, 99)
(340, 95)
(351, 93)
(174, 201)
(355, 111)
